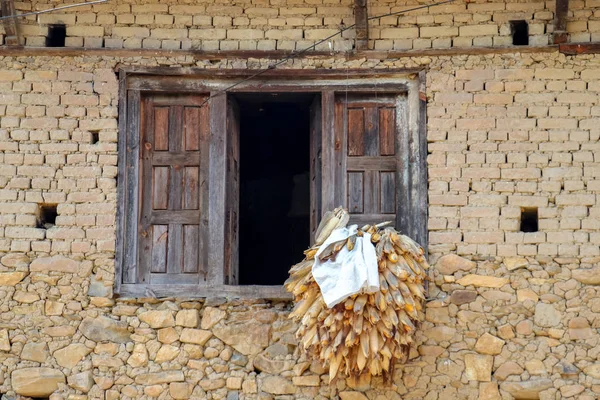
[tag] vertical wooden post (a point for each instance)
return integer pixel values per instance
(217, 182)
(560, 22)
(362, 24)
(11, 25)
(328, 194)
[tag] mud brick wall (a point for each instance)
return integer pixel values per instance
(297, 24)
(511, 312)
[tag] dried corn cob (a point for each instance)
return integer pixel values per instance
(366, 334)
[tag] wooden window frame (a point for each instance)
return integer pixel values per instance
(135, 81)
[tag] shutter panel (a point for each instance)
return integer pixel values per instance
(366, 142)
(173, 191)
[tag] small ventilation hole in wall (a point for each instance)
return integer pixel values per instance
(95, 137)
(529, 219)
(520, 33)
(56, 36)
(46, 215)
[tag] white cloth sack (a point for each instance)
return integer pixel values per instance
(350, 272)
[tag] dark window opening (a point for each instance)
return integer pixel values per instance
(274, 216)
(520, 33)
(56, 36)
(529, 220)
(46, 216)
(95, 137)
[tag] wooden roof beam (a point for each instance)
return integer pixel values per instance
(11, 25)
(560, 22)
(362, 24)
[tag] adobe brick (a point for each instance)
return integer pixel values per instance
(399, 33)
(284, 34)
(98, 124)
(336, 11)
(150, 8)
(261, 12)
(590, 74)
(453, 97)
(486, 7)
(74, 76)
(81, 171)
(79, 100)
(576, 199)
(39, 123)
(445, 237)
(129, 31)
(577, 98)
(297, 11)
(487, 199)
(54, 18)
(478, 30)
(476, 123)
(528, 201)
(317, 34)
(475, 74)
(10, 75)
(521, 173)
(448, 200)
(81, 31)
(483, 237)
(554, 73)
(22, 232)
(562, 172)
(481, 173)
(516, 123)
(85, 197)
(224, 10)
(65, 233)
(479, 212)
(187, 9)
(43, 76)
(245, 34)
(557, 123)
(489, 98)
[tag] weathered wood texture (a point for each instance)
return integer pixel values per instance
(11, 25)
(559, 35)
(217, 189)
(232, 201)
(316, 148)
(166, 239)
(583, 48)
(366, 136)
(179, 174)
(121, 179)
(182, 290)
(362, 24)
(171, 248)
(275, 54)
(131, 198)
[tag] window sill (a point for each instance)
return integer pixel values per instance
(201, 291)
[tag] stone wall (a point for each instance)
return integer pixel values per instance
(297, 24)
(518, 313)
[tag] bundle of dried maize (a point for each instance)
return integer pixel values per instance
(366, 334)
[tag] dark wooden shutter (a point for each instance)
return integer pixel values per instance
(173, 219)
(367, 137)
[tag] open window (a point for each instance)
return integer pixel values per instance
(220, 193)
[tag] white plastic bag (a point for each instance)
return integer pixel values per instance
(350, 272)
